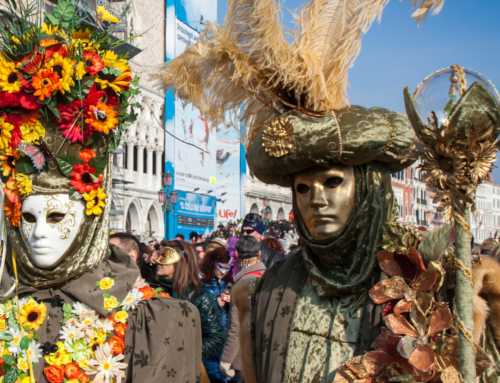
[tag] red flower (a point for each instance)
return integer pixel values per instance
(120, 330)
(54, 373)
(86, 155)
(83, 377)
(147, 292)
(95, 60)
(1, 369)
(12, 192)
(117, 345)
(82, 180)
(21, 98)
(71, 370)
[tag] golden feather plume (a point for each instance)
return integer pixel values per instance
(248, 63)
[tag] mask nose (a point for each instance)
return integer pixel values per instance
(318, 198)
(40, 230)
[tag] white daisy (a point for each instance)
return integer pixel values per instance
(139, 283)
(70, 333)
(80, 309)
(23, 301)
(88, 319)
(106, 366)
(15, 343)
(34, 352)
(104, 324)
(132, 299)
(7, 308)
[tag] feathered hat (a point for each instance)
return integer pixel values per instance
(291, 96)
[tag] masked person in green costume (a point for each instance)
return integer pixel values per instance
(73, 307)
(315, 316)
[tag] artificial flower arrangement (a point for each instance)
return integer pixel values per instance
(60, 69)
(89, 344)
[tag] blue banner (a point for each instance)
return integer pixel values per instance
(195, 212)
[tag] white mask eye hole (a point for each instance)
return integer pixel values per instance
(55, 217)
(28, 217)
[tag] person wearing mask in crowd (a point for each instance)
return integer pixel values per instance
(254, 226)
(200, 248)
(215, 269)
(251, 268)
(216, 242)
(177, 274)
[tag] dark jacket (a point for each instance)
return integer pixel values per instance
(212, 333)
(216, 288)
(231, 353)
(269, 256)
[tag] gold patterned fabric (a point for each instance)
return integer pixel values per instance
(324, 334)
(90, 245)
(349, 136)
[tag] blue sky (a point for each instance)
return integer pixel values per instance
(395, 53)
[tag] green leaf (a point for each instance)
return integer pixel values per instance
(4, 178)
(36, 336)
(106, 296)
(10, 376)
(52, 105)
(67, 308)
(22, 376)
(25, 165)
(53, 20)
(99, 164)
(13, 323)
(436, 243)
(94, 178)
(135, 81)
(66, 163)
(86, 83)
(73, 194)
(9, 360)
(4, 335)
(27, 328)
(25, 343)
(64, 10)
(97, 284)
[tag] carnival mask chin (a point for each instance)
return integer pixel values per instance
(325, 198)
(49, 225)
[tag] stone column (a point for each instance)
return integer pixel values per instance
(140, 162)
(130, 161)
(149, 160)
(159, 160)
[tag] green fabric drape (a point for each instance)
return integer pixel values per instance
(341, 264)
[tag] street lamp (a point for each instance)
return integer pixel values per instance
(168, 203)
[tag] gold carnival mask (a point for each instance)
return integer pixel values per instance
(168, 256)
(325, 198)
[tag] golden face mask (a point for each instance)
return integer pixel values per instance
(325, 198)
(167, 256)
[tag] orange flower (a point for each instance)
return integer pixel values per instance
(54, 373)
(1, 369)
(117, 345)
(147, 292)
(120, 330)
(165, 295)
(13, 212)
(83, 377)
(86, 155)
(102, 117)
(8, 158)
(12, 191)
(45, 82)
(29, 117)
(71, 370)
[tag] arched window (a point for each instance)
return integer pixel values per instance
(255, 209)
(145, 161)
(281, 214)
(136, 154)
(132, 223)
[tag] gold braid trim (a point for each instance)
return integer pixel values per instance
(390, 132)
(461, 222)
(338, 132)
(461, 325)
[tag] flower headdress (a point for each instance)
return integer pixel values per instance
(64, 102)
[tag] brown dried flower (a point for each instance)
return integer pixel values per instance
(278, 137)
(445, 166)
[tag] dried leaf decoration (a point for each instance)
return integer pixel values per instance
(435, 243)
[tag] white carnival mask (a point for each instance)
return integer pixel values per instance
(50, 224)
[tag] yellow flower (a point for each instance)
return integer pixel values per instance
(81, 34)
(26, 379)
(80, 38)
(121, 316)
(24, 185)
(32, 314)
(64, 69)
(49, 29)
(106, 283)
(80, 70)
(22, 364)
(10, 79)
(15, 40)
(5, 133)
(110, 302)
(94, 201)
(30, 335)
(32, 133)
(3, 350)
(115, 81)
(61, 356)
(99, 337)
(83, 363)
(2, 324)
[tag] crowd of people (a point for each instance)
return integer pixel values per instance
(203, 271)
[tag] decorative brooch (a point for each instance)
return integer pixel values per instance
(277, 137)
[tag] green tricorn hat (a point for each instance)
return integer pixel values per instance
(350, 136)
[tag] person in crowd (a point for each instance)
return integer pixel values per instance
(129, 243)
(200, 248)
(273, 243)
(147, 272)
(180, 236)
(193, 237)
(177, 274)
(251, 267)
(253, 225)
(215, 269)
(215, 242)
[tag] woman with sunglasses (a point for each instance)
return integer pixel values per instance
(177, 274)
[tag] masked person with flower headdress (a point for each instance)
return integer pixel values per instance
(357, 282)
(73, 306)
